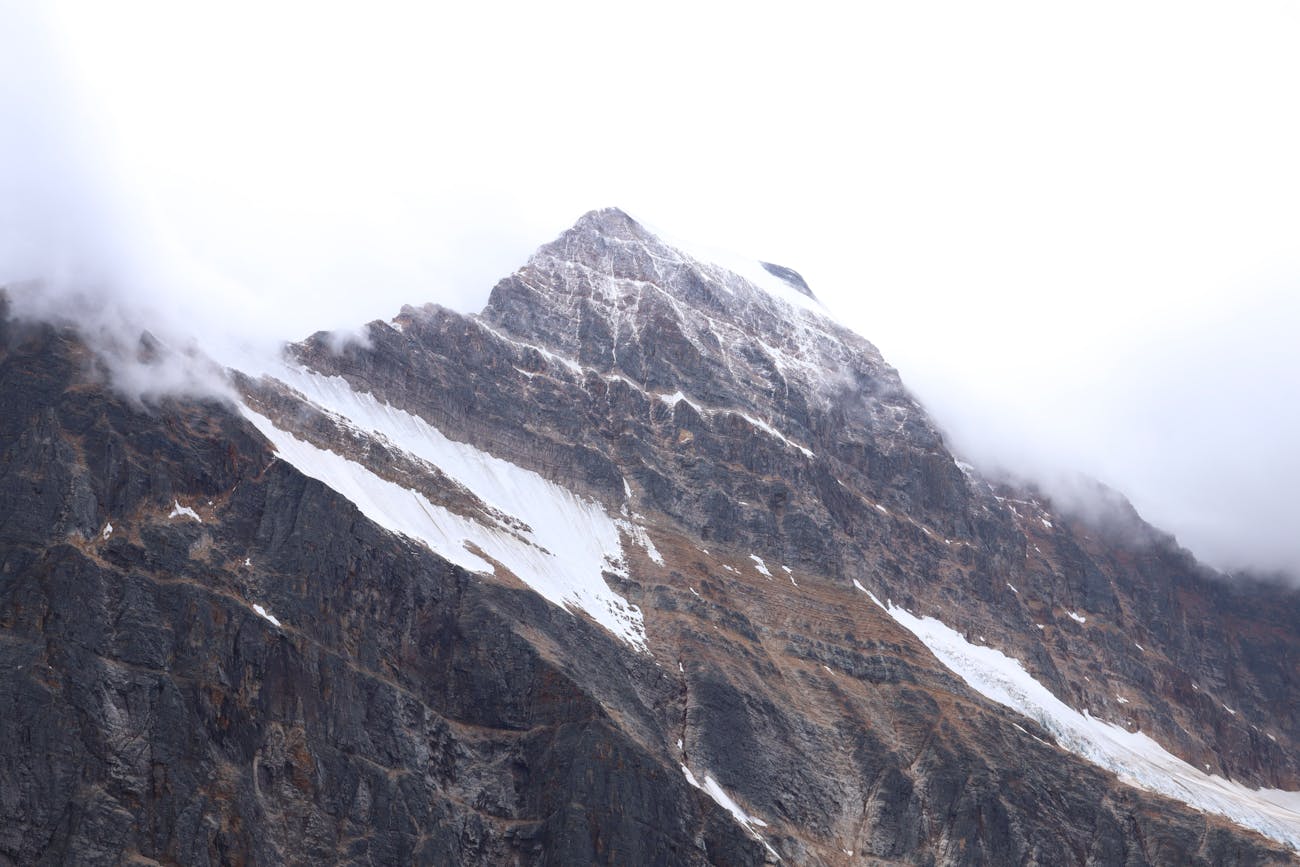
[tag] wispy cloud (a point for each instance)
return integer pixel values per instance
(1078, 265)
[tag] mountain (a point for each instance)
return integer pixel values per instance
(650, 562)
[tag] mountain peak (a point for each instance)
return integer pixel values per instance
(611, 222)
(613, 295)
(595, 235)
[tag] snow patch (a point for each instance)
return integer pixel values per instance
(677, 397)
(566, 544)
(776, 434)
(1132, 756)
(183, 511)
(760, 566)
(638, 535)
(265, 615)
(1013, 588)
(573, 366)
(108, 530)
(719, 794)
(1077, 617)
(872, 596)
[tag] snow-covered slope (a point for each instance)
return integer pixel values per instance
(1136, 758)
(556, 542)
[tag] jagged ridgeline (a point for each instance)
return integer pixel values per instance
(650, 562)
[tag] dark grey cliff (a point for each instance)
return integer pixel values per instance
(151, 715)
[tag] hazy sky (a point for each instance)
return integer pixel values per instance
(1075, 230)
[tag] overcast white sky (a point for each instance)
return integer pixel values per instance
(1075, 230)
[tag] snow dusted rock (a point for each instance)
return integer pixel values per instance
(499, 589)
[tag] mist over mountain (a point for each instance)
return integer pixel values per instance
(940, 514)
(1130, 320)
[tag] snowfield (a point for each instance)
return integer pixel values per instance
(567, 542)
(1132, 756)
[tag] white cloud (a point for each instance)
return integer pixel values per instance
(1054, 221)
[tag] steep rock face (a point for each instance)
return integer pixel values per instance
(828, 390)
(762, 425)
(277, 680)
(290, 681)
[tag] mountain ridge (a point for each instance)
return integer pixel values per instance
(751, 508)
(605, 359)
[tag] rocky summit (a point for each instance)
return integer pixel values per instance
(651, 562)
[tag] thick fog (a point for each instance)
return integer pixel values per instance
(1075, 232)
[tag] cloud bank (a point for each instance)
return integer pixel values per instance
(1073, 231)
